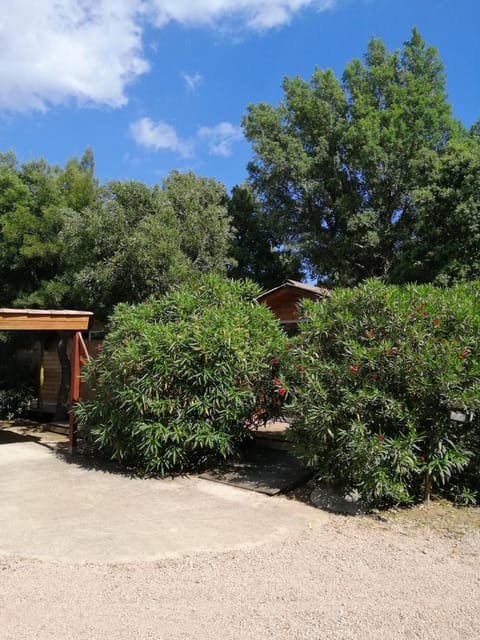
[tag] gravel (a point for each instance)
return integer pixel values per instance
(353, 578)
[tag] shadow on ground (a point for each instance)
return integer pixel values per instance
(264, 470)
(261, 470)
(18, 431)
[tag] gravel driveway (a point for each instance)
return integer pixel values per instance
(351, 579)
(191, 559)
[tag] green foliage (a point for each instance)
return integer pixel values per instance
(17, 377)
(445, 245)
(372, 384)
(121, 249)
(137, 241)
(203, 223)
(65, 241)
(255, 243)
(14, 402)
(33, 199)
(179, 378)
(337, 163)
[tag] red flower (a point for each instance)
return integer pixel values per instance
(393, 351)
(276, 381)
(276, 361)
(381, 438)
(436, 322)
(422, 458)
(370, 333)
(298, 367)
(281, 391)
(425, 313)
(465, 353)
(353, 368)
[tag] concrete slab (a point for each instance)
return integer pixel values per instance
(19, 430)
(264, 470)
(67, 512)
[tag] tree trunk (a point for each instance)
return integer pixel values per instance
(61, 412)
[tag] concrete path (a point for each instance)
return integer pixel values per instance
(53, 509)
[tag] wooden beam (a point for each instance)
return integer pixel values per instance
(41, 320)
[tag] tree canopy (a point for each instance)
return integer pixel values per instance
(367, 175)
(67, 241)
(344, 170)
(255, 243)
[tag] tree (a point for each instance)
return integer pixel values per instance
(137, 241)
(255, 243)
(200, 208)
(123, 248)
(33, 199)
(335, 164)
(78, 182)
(445, 244)
(65, 241)
(30, 221)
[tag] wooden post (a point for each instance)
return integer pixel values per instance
(74, 390)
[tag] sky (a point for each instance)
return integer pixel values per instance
(156, 85)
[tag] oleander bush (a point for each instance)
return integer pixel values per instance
(179, 379)
(383, 386)
(14, 403)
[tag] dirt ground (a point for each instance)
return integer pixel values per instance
(406, 574)
(410, 573)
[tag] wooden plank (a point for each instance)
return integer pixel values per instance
(43, 320)
(26, 323)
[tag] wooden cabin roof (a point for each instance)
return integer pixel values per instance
(283, 300)
(295, 286)
(44, 320)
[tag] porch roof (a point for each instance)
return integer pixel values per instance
(44, 320)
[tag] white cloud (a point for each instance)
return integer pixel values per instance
(159, 136)
(220, 138)
(57, 50)
(192, 80)
(255, 14)
(88, 51)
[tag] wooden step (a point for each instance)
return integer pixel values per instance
(57, 427)
(272, 436)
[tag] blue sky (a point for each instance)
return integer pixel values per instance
(156, 85)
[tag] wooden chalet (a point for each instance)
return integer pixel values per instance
(70, 323)
(284, 300)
